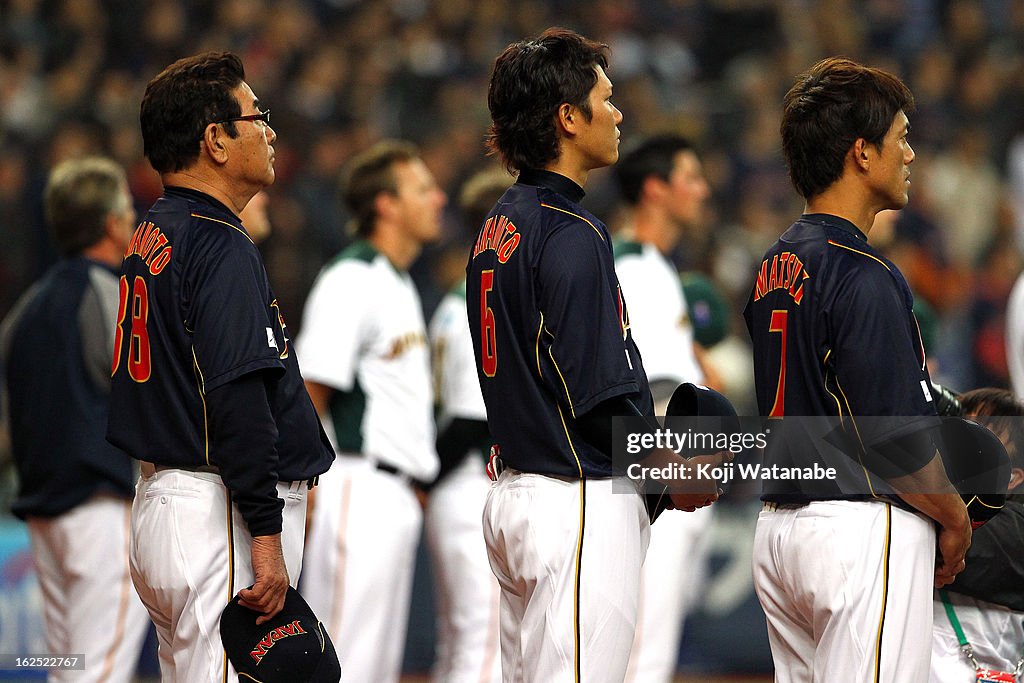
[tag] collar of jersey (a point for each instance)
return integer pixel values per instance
(835, 222)
(552, 181)
(189, 193)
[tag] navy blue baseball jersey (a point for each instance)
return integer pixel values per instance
(550, 329)
(197, 312)
(834, 335)
(55, 356)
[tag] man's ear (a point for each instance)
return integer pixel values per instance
(859, 153)
(653, 187)
(568, 118)
(213, 138)
(383, 204)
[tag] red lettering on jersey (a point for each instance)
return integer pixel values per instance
(500, 235)
(152, 250)
(798, 295)
(762, 281)
(508, 247)
(786, 272)
(161, 260)
(494, 240)
(133, 244)
(773, 278)
(783, 269)
(482, 236)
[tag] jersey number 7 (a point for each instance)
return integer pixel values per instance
(139, 365)
(778, 324)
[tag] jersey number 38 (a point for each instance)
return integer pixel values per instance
(137, 350)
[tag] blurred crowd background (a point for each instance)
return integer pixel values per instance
(340, 74)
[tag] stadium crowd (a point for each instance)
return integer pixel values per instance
(340, 74)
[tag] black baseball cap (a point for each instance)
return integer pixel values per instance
(292, 647)
(697, 400)
(978, 466)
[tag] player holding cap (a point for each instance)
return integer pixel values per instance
(661, 179)
(556, 360)
(834, 335)
(206, 389)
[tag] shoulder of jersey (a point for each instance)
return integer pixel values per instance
(854, 253)
(359, 256)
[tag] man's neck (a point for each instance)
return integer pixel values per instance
(849, 201)
(106, 252)
(194, 178)
(400, 249)
(564, 165)
(652, 225)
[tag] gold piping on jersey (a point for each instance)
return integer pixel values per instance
(231, 567)
(885, 591)
(202, 398)
(867, 475)
(564, 385)
(537, 346)
(862, 253)
(576, 587)
(839, 406)
(575, 215)
(561, 416)
(217, 220)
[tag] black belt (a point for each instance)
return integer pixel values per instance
(148, 469)
(390, 469)
(773, 506)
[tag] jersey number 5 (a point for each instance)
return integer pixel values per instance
(488, 340)
(778, 324)
(139, 365)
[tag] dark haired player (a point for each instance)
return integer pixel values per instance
(556, 360)
(845, 576)
(206, 390)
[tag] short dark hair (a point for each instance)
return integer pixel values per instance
(828, 108)
(368, 174)
(80, 194)
(182, 100)
(1000, 411)
(480, 193)
(651, 156)
(530, 81)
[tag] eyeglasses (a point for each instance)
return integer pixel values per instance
(263, 116)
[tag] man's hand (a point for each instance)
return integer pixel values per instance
(929, 491)
(689, 490)
(953, 545)
(271, 586)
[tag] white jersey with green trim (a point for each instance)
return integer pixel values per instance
(364, 335)
(455, 380)
(658, 315)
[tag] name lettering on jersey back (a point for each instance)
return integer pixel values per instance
(500, 235)
(787, 272)
(268, 641)
(151, 245)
